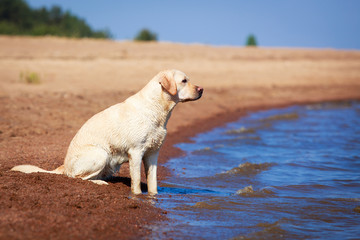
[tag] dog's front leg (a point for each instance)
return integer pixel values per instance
(135, 171)
(150, 163)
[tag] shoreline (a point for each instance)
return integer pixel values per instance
(205, 194)
(183, 135)
(81, 78)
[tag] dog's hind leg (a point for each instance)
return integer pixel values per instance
(90, 165)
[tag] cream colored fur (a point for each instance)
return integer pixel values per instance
(133, 131)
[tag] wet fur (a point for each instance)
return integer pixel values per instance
(133, 131)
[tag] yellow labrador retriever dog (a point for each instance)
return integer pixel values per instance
(133, 131)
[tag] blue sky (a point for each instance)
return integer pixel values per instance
(275, 23)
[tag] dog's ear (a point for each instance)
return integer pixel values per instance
(168, 84)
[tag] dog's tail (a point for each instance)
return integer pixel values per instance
(34, 169)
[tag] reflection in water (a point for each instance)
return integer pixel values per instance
(283, 173)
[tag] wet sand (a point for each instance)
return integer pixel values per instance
(79, 78)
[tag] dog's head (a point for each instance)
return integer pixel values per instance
(178, 85)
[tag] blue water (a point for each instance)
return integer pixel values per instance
(291, 173)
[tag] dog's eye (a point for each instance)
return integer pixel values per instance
(184, 81)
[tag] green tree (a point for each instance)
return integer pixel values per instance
(15, 13)
(146, 35)
(17, 18)
(251, 41)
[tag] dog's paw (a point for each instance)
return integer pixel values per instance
(99, 182)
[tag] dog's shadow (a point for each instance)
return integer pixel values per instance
(126, 181)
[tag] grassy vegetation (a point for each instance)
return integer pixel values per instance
(30, 77)
(17, 18)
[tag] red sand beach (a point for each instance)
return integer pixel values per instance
(78, 78)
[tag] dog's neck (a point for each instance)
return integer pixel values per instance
(156, 103)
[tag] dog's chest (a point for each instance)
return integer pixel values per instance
(146, 141)
(154, 140)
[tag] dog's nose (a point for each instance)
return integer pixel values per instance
(199, 90)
